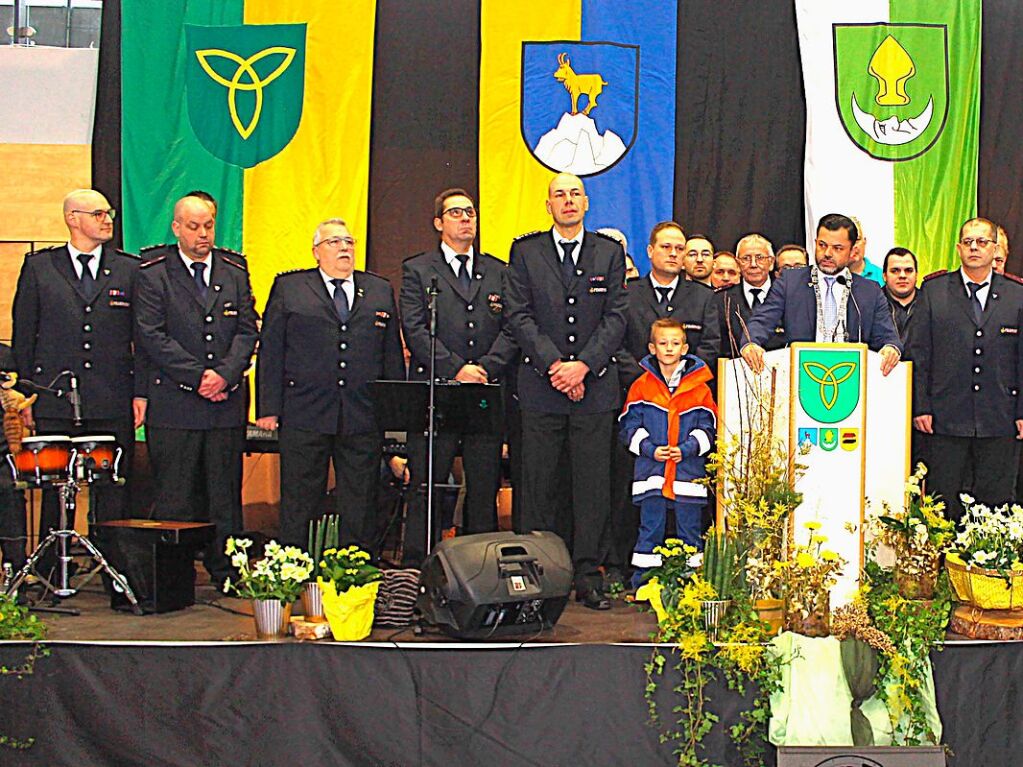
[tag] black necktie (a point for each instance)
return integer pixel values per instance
(88, 281)
(198, 268)
(662, 294)
(463, 271)
(567, 264)
(978, 310)
(755, 292)
(341, 301)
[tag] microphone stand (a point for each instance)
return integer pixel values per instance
(431, 428)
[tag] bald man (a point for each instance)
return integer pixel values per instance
(73, 313)
(566, 303)
(196, 323)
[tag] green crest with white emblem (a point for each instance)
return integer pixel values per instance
(891, 86)
(245, 87)
(829, 383)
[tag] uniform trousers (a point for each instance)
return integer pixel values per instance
(107, 502)
(12, 518)
(623, 521)
(481, 462)
(587, 441)
(991, 462)
(652, 515)
(196, 476)
(305, 464)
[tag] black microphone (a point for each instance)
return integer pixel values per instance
(75, 399)
(843, 280)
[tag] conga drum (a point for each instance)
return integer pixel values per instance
(44, 461)
(99, 458)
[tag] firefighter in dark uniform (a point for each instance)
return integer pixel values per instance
(327, 334)
(737, 303)
(566, 305)
(73, 311)
(665, 292)
(966, 344)
(196, 324)
(473, 346)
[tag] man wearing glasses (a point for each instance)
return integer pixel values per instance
(825, 303)
(737, 303)
(967, 350)
(196, 324)
(328, 332)
(473, 346)
(566, 304)
(73, 315)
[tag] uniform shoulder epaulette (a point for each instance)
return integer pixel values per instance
(606, 237)
(415, 255)
(1014, 277)
(291, 271)
(723, 288)
(227, 251)
(47, 249)
(150, 248)
(153, 261)
(630, 280)
(374, 274)
(702, 284)
(234, 263)
(932, 275)
(528, 234)
(126, 254)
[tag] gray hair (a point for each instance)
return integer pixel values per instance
(750, 239)
(319, 226)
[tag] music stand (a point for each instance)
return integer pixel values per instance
(464, 408)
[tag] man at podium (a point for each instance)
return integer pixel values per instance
(826, 302)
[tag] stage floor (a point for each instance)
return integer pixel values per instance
(211, 620)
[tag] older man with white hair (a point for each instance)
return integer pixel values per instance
(328, 332)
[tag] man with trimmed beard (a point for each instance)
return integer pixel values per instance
(825, 302)
(699, 259)
(900, 287)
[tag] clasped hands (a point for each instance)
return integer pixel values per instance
(212, 386)
(567, 378)
(666, 453)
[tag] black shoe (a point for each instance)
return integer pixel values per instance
(594, 599)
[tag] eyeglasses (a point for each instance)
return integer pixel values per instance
(338, 242)
(457, 213)
(982, 242)
(760, 258)
(99, 214)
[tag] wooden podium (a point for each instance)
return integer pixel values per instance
(837, 416)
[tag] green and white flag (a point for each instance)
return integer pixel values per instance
(892, 120)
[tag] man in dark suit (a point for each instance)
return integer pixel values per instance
(327, 334)
(196, 323)
(473, 346)
(755, 257)
(966, 343)
(73, 316)
(665, 292)
(825, 302)
(566, 305)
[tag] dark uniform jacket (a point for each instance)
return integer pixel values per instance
(968, 376)
(902, 316)
(57, 327)
(312, 368)
(734, 314)
(183, 334)
(692, 304)
(792, 303)
(583, 320)
(471, 325)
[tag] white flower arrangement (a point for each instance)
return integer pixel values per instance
(279, 574)
(990, 538)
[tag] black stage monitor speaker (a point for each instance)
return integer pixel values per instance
(496, 584)
(157, 558)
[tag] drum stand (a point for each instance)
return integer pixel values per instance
(62, 539)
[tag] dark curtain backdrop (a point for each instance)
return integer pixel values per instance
(740, 120)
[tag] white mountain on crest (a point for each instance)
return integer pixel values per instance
(576, 147)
